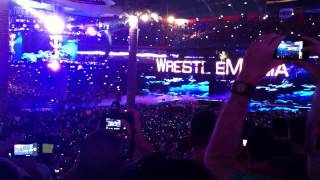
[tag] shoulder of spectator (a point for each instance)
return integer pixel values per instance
(225, 167)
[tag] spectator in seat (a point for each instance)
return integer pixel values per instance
(160, 167)
(100, 157)
(281, 144)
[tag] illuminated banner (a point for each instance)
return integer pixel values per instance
(185, 67)
(222, 67)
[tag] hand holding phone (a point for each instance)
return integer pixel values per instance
(313, 46)
(292, 50)
(113, 124)
(26, 150)
(312, 66)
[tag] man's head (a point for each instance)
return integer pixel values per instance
(101, 154)
(280, 127)
(260, 144)
(202, 125)
(297, 131)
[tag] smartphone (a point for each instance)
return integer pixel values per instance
(47, 148)
(290, 49)
(26, 150)
(113, 124)
(244, 142)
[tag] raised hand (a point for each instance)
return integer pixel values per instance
(259, 58)
(313, 46)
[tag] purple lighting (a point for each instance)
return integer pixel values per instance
(54, 65)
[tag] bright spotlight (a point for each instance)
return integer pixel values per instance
(171, 19)
(91, 31)
(54, 24)
(155, 16)
(133, 21)
(145, 17)
(69, 26)
(181, 22)
(54, 65)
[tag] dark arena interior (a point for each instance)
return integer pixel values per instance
(159, 89)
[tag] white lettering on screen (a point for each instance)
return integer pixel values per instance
(223, 68)
(186, 67)
(220, 68)
(282, 69)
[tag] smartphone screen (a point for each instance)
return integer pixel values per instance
(47, 148)
(290, 50)
(26, 149)
(113, 124)
(244, 142)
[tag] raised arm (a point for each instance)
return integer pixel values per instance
(141, 145)
(313, 137)
(224, 146)
(313, 122)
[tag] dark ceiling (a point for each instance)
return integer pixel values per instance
(207, 8)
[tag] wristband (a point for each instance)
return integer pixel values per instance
(243, 89)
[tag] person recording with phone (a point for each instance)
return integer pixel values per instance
(224, 146)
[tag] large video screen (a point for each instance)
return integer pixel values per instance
(292, 91)
(35, 46)
(175, 86)
(175, 78)
(284, 87)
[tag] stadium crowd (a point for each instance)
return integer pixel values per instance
(170, 140)
(166, 126)
(272, 143)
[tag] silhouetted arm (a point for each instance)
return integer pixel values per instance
(223, 149)
(312, 137)
(224, 146)
(141, 146)
(312, 143)
(313, 123)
